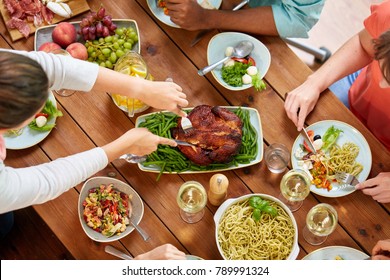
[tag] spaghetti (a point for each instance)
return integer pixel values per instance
(343, 159)
(241, 238)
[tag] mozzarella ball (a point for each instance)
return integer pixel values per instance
(41, 121)
(246, 79)
(229, 51)
(229, 62)
(252, 70)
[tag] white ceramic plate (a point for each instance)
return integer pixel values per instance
(43, 34)
(29, 137)
(350, 134)
(216, 51)
(136, 202)
(255, 121)
(159, 13)
(193, 258)
(331, 252)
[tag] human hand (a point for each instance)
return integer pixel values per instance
(188, 14)
(381, 250)
(300, 102)
(166, 96)
(378, 187)
(163, 252)
(138, 141)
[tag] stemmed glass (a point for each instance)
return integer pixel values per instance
(192, 199)
(321, 221)
(294, 187)
(62, 92)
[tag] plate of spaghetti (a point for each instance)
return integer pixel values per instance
(339, 148)
(242, 235)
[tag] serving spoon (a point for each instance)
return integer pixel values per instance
(242, 49)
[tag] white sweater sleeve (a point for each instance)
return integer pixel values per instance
(22, 187)
(64, 72)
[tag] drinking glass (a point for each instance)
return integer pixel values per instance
(132, 64)
(321, 221)
(192, 199)
(294, 188)
(62, 92)
(277, 157)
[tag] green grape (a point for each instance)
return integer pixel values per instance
(93, 54)
(119, 31)
(90, 49)
(108, 64)
(131, 41)
(116, 45)
(91, 59)
(106, 51)
(95, 42)
(101, 57)
(127, 45)
(102, 64)
(119, 53)
(108, 39)
(101, 40)
(121, 42)
(113, 57)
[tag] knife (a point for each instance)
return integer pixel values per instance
(183, 143)
(308, 141)
(201, 33)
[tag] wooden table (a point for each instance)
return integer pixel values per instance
(362, 221)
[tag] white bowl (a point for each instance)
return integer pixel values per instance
(224, 206)
(216, 51)
(136, 202)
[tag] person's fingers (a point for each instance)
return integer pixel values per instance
(166, 141)
(301, 118)
(368, 183)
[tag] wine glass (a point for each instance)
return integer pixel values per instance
(294, 187)
(320, 222)
(192, 199)
(62, 92)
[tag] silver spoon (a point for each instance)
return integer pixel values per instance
(242, 49)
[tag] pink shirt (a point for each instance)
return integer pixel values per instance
(368, 101)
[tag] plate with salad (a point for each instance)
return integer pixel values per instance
(36, 130)
(157, 7)
(339, 147)
(238, 73)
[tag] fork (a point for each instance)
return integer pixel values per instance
(349, 181)
(186, 124)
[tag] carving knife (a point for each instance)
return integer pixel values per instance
(308, 141)
(200, 35)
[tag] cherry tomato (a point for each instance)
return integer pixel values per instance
(41, 114)
(242, 60)
(251, 61)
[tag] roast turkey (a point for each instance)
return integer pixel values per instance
(216, 132)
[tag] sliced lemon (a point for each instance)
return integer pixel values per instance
(138, 71)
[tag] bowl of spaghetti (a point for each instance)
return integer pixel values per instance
(241, 236)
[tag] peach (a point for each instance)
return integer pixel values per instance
(49, 47)
(77, 50)
(64, 34)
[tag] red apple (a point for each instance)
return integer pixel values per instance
(49, 47)
(64, 34)
(77, 50)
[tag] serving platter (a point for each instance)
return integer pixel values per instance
(77, 7)
(256, 123)
(332, 252)
(29, 137)
(159, 12)
(43, 34)
(216, 51)
(349, 134)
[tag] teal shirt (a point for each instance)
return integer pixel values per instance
(293, 18)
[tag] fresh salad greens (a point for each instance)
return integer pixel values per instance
(330, 137)
(233, 75)
(259, 206)
(49, 112)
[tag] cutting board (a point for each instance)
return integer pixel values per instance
(77, 7)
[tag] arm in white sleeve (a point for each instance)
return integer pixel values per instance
(22, 187)
(64, 72)
(293, 18)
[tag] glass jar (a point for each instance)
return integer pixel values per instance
(131, 63)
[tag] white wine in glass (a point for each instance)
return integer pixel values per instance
(192, 199)
(320, 222)
(295, 187)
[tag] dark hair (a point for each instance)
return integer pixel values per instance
(23, 88)
(382, 52)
